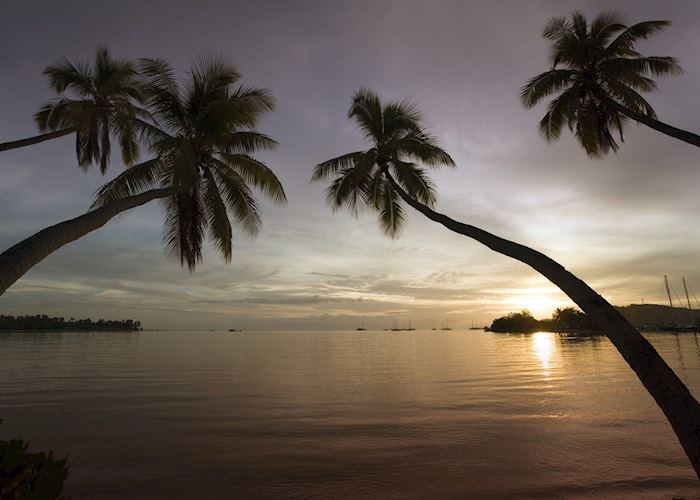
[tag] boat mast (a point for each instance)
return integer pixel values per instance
(686, 294)
(668, 292)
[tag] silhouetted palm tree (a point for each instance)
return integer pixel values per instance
(203, 167)
(597, 76)
(355, 175)
(105, 101)
(398, 142)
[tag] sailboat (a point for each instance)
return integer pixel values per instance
(361, 328)
(673, 327)
(474, 327)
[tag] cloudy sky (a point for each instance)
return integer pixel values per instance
(619, 223)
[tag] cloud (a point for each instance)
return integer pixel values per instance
(620, 223)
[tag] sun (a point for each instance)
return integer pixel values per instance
(541, 302)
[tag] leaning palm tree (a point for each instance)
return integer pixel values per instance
(95, 102)
(203, 169)
(388, 172)
(596, 79)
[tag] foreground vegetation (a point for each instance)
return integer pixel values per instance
(42, 322)
(567, 320)
(29, 476)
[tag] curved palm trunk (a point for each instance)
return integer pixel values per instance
(20, 258)
(674, 132)
(669, 392)
(4, 146)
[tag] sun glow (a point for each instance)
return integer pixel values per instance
(541, 302)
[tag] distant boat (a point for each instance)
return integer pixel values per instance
(445, 327)
(474, 327)
(673, 327)
(234, 330)
(361, 328)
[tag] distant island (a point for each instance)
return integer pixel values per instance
(657, 316)
(646, 317)
(42, 322)
(567, 320)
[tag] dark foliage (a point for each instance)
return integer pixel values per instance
(44, 322)
(30, 476)
(563, 320)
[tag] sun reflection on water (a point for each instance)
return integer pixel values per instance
(543, 346)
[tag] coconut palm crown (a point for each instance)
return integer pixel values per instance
(202, 146)
(399, 145)
(595, 66)
(96, 101)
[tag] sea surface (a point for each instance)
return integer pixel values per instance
(374, 414)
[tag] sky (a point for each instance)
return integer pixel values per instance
(620, 223)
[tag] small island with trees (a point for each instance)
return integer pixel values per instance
(567, 320)
(44, 323)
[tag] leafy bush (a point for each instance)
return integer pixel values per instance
(30, 476)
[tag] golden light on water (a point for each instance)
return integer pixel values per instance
(543, 347)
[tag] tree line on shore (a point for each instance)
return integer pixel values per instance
(42, 322)
(566, 320)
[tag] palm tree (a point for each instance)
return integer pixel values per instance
(94, 102)
(202, 168)
(596, 77)
(388, 169)
(398, 142)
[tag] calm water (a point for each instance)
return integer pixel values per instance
(344, 414)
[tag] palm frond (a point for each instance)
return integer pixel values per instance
(554, 27)
(400, 118)
(623, 44)
(366, 110)
(257, 174)
(579, 24)
(68, 75)
(238, 197)
(335, 165)
(245, 141)
(559, 113)
(607, 24)
(57, 114)
(390, 214)
(629, 98)
(415, 182)
(545, 84)
(128, 143)
(132, 181)
(219, 224)
(348, 188)
(184, 228)
(424, 148)
(164, 94)
(653, 65)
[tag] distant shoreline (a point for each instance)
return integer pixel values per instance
(582, 332)
(73, 330)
